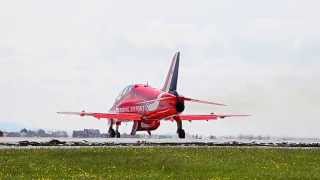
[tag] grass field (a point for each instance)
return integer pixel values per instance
(160, 163)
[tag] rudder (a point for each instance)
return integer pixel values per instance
(171, 82)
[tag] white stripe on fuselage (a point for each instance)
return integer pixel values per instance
(142, 108)
(153, 106)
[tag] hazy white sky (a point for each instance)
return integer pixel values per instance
(259, 57)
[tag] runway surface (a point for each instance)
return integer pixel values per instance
(8, 142)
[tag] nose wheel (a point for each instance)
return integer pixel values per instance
(117, 134)
(114, 133)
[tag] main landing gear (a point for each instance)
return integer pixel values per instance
(180, 131)
(114, 133)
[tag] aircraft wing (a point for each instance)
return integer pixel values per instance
(202, 102)
(207, 117)
(118, 116)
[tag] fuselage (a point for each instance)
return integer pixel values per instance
(129, 101)
(146, 106)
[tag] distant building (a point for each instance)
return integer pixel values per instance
(41, 133)
(87, 133)
(58, 134)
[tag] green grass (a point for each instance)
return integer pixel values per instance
(160, 163)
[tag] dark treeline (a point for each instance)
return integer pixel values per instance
(34, 133)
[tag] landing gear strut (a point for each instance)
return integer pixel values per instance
(114, 133)
(180, 131)
(134, 128)
(117, 130)
(111, 132)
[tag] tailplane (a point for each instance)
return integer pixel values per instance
(171, 82)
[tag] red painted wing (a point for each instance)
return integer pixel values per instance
(206, 117)
(118, 116)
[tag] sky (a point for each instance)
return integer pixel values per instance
(258, 57)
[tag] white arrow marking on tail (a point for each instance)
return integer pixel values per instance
(153, 106)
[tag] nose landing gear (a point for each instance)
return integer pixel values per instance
(117, 130)
(114, 133)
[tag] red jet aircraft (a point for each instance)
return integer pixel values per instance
(146, 106)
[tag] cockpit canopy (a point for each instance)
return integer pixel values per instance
(124, 92)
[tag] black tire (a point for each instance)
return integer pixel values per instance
(181, 134)
(117, 135)
(112, 133)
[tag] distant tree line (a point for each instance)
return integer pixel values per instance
(36, 133)
(1, 134)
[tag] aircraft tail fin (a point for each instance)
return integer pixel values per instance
(171, 82)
